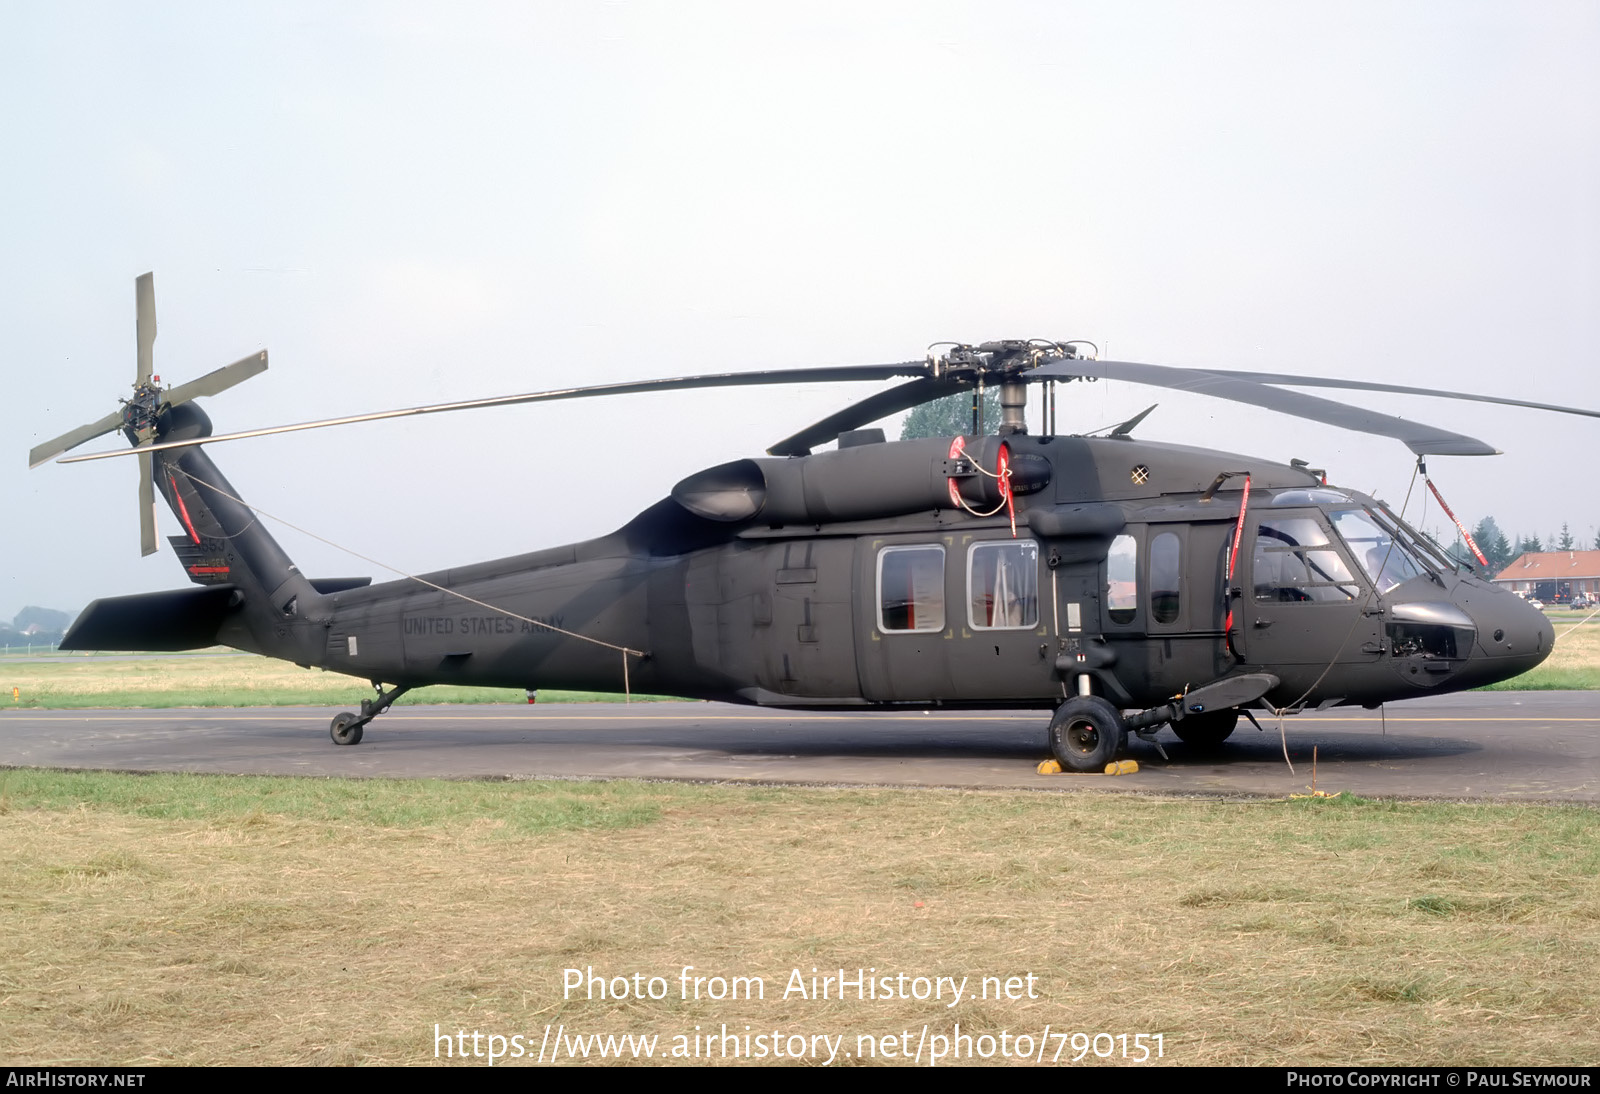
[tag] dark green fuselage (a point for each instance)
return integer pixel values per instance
(858, 578)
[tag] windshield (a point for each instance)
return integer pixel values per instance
(1422, 544)
(1387, 561)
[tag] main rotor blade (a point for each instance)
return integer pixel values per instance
(923, 390)
(144, 302)
(679, 383)
(49, 450)
(1365, 385)
(218, 380)
(147, 505)
(1425, 440)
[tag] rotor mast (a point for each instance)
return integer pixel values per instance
(1006, 365)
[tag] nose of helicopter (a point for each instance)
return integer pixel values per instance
(1513, 635)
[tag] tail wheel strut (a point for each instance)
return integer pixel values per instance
(345, 729)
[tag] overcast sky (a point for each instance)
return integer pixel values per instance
(413, 203)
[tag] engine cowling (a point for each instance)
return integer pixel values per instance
(859, 483)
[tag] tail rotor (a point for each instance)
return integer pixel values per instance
(140, 417)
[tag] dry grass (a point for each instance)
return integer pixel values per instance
(211, 681)
(193, 920)
(1575, 661)
(241, 679)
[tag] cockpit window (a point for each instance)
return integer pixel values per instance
(1295, 560)
(1422, 545)
(1388, 562)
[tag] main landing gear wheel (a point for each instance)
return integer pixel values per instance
(1207, 730)
(346, 729)
(1087, 733)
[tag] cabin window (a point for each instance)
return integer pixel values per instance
(1295, 561)
(1165, 557)
(1122, 579)
(1003, 585)
(911, 588)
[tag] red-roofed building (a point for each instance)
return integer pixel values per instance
(1555, 577)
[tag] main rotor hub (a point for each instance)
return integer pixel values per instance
(994, 361)
(1004, 363)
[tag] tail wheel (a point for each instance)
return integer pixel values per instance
(345, 729)
(1087, 733)
(1206, 730)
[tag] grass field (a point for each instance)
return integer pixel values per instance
(208, 920)
(232, 680)
(1574, 664)
(245, 680)
(212, 920)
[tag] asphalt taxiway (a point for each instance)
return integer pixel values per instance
(1506, 746)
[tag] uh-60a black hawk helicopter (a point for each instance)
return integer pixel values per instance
(1124, 584)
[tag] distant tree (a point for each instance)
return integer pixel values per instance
(48, 619)
(1502, 551)
(1565, 542)
(1492, 542)
(35, 626)
(1597, 539)
(951, 417)
(1531, 545)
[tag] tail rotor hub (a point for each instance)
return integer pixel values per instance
(139, 413)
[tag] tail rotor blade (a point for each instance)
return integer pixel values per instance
(49, 450)
(144, 294)
(218, 380)
(147, 505)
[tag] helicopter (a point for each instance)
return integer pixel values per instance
(1124, 585)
